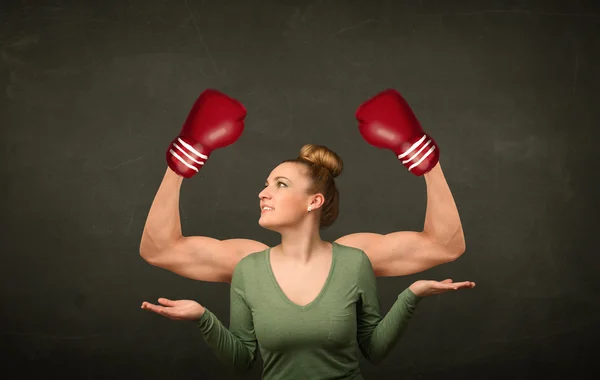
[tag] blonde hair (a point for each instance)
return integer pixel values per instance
(323, 165)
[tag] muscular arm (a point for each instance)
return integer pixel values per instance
(196, 257)
(407, 252)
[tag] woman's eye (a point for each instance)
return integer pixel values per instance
(279, 184)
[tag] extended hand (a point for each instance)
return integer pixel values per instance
(176, 310)
(424, 288)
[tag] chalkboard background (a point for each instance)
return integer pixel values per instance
(93, 93)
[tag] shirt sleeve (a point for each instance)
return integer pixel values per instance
(378, 335)
(236, 346)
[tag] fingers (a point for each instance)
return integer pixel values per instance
(448, 286)
(461, 284)
(465, 284)
(164, 311)
(431, 287)
(152, 307)
(166, 302)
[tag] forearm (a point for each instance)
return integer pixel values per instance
(229, 349)
(442, 221)
(163, 224)
(391, 328)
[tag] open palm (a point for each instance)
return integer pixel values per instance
(424, 288)
(187, 310)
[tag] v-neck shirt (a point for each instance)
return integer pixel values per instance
(316, 341)
(284, 297)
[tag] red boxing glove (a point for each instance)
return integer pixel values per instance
(386, 121)
(215, 121)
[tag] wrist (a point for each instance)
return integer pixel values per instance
(412, 296)
(171, 175)
(202, 320)
(435, 173)
(413, 289)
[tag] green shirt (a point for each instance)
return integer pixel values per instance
(316, 341)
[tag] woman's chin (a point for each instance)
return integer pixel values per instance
(266, 222)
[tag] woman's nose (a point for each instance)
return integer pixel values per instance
(264, 193)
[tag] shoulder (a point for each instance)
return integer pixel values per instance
(348, 249)
(356, 265)
(247, 268)
(243, 247)
(352, 256)
(360, 240)
(250, 262)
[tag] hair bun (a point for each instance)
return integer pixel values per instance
(322, 156)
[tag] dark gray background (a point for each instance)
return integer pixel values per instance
(93, 92)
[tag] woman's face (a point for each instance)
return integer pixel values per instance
(285, 199)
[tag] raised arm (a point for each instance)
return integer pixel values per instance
(196, 257)
(215, 121)
(386, 121)
(407, 252)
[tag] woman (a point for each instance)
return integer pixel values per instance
(305, 303)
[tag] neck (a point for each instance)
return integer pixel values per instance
(302, 244)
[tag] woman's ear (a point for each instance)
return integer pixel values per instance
(316, 202)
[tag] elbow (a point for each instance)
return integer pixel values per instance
(151, 250)
(154, 245)
(457, 246)
(243, 367)
(244, 370)
(241, 370)
(455, 251)
(147, 250)
(375, 359)
(155, 257)
(148, 255)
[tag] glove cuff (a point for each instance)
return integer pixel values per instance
(421, 156)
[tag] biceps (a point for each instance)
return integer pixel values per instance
(398, 253)
(404, 253)
(199, 258)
